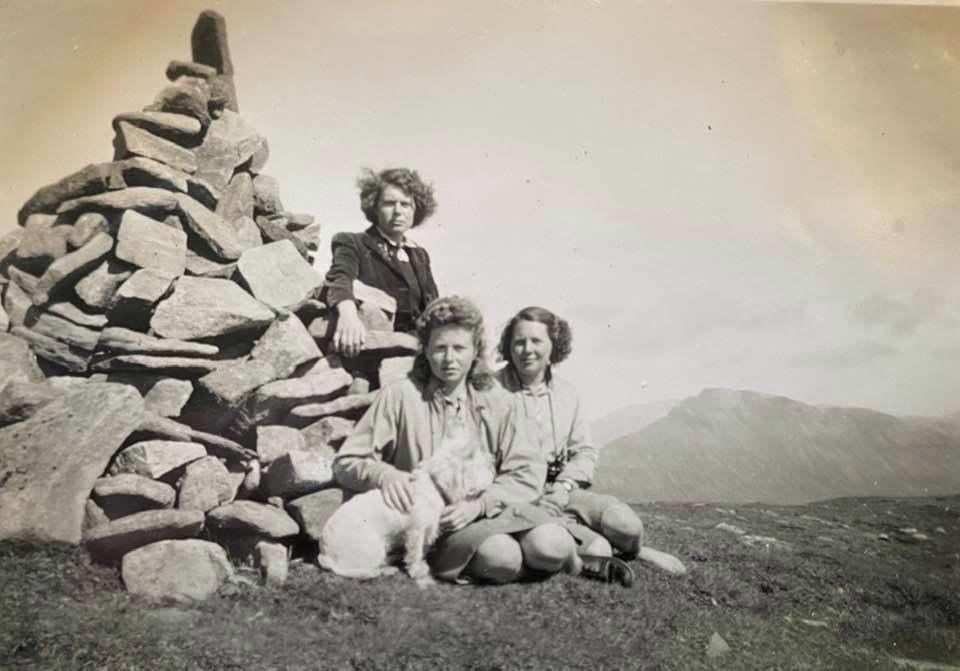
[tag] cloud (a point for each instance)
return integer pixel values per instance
(846, 356)
(897, 317)
(684, 319)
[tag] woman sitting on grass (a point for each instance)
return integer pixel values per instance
(449, 389)
(533, 341)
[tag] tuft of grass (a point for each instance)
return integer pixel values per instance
(839, 598)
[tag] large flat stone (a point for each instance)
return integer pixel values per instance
(203, 307)
(201, 266)
(133, 303)
(85, 227)
(50, 461)
(229, 143)
(327, 431)
(18, 363)
(254, 518)
(135, 141)
(55, 351)
(191, 570)
(65, 271)
(271, 402)
(181, 129)
(210, 227)
(206, 484)
(111, 541)
(147, 243)
(156, 458)
(98, 288)
(185, 367)
(141, 171)
(187, 95)
(275, 441)
(9, 243)
(128, 493)
(350, 407)
(266, 195)
(21, 400)
(42, 241)
(87, 181)
(287, 345)
(274, 228)
(17, 304)
(58, 328)
(119, 339)
(237, 199)
(80, 317)
(313, 510)
(177, 69)
(145, 199)
(156, 427)
(277, 275)
(298, 473)
(221, 393)
(164, 396)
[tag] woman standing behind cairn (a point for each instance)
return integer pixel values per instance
(533, 341)
(393, 201)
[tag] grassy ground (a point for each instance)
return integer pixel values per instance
(828, 594)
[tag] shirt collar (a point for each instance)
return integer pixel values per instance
(436, 393)
(406, 242)
(514, 383)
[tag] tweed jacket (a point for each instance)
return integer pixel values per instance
(404, 425)
(570, 431)
(364, 256)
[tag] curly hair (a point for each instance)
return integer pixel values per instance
(372, 184)
(453, 311)
(561, 337)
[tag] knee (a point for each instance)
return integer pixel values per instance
(622, 527)
(498, 559)
(598, 547)
(548, 547)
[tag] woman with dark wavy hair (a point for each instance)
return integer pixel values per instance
(449, 389)
(393, 201)
(548, 406)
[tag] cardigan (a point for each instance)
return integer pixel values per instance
(570, 433)
(404, 425)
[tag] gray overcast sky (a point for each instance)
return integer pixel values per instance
(740, 195)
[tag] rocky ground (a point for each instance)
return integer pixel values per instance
(848, 583)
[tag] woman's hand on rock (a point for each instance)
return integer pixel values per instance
(460, 514)
(397, 487)
(350, 334)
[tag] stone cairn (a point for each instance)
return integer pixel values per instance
(165, 397)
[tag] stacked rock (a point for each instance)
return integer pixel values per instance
(183, 389)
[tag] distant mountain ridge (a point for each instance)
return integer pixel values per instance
(738, 446)
(629, 419)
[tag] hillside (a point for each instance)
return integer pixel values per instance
(738, 446)
(629, 419)
(843, 584)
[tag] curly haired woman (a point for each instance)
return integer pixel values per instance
(393, 201)
(533, 342)
(449, 389)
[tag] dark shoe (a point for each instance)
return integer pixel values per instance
(607, 569)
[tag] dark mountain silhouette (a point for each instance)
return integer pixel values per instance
(629, 419)
(739, 446)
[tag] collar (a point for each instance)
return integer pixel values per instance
(513, 382)
(435, 392)
(377, 233)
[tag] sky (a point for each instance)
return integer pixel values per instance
(743, 195)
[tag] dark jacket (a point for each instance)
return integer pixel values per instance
(365, 257)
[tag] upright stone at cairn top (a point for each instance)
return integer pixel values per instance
(208, 43)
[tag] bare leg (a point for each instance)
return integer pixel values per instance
(498, 560)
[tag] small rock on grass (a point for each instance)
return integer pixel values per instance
(190, 570)
(717, 647)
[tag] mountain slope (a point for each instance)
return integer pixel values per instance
(738, 446)
(629, 419)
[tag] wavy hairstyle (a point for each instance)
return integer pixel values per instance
(372, 184)
(453, 311)
(561, 337)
